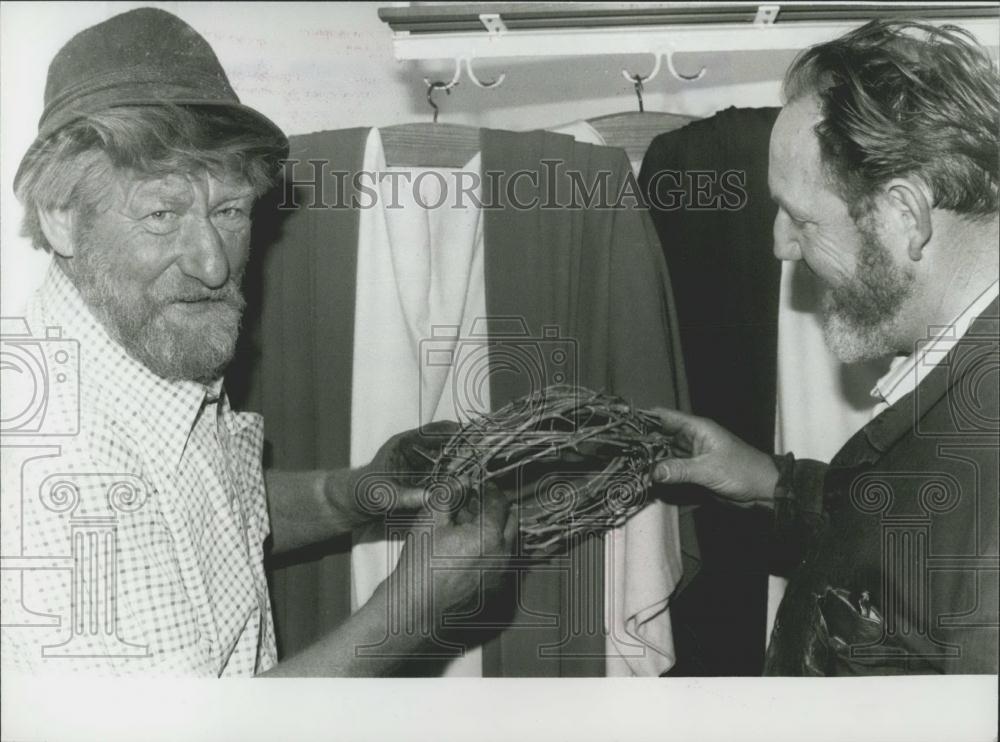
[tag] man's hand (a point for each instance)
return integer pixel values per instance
(709, 455)
(307, 507)
(408, 457)
(441, 568)
(460, 554)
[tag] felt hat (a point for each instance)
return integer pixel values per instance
(143, 57)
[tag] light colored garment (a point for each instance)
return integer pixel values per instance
(642, 561)
(906, 372)
(642, 568)
(581, 131)
(631, 131)
(156, 489)
(420, 287)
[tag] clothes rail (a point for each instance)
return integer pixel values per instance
(498, 30)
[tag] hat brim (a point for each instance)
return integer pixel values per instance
(266, 125)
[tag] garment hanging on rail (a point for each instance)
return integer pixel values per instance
(646, 578)
(644, 583)
(294, 362)
(707, 187)
(632, 131)
(613, 297)
(613, 132)
(420, 288)
(599, 280)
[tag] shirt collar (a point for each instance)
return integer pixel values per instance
(159, 414)
(906, 372)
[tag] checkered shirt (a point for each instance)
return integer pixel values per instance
(134, 516)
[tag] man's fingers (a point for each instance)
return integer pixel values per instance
(672, 421)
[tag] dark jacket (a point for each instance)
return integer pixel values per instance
(893, 545)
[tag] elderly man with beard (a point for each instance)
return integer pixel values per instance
(141, 184)
(884, 167)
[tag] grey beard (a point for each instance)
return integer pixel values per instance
(140, 323)
(861, 318)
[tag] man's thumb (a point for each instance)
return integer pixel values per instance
(672, 471)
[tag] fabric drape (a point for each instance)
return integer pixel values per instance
(612, 299)
(295, 359)
(419, 290)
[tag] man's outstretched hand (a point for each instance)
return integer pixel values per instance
(408, 457)
(707, 454)
(462, 552)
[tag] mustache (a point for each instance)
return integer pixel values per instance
(229, 293)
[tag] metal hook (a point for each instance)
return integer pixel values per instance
(669, 54)
(431, 87)
(637, 81)
(673, 70)
(479, 83)
(633, 78)
(454, 78)
(439, 85)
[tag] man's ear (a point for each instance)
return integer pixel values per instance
(911, 202)
(57, 226)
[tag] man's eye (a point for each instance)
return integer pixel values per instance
(232, 218)
(161, 221)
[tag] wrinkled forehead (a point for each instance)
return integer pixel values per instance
(179, 186)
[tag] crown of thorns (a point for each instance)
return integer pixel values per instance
(575, 461)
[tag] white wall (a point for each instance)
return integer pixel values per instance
(314, 66)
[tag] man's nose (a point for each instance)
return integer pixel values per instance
(786, 244)
(204, 257)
